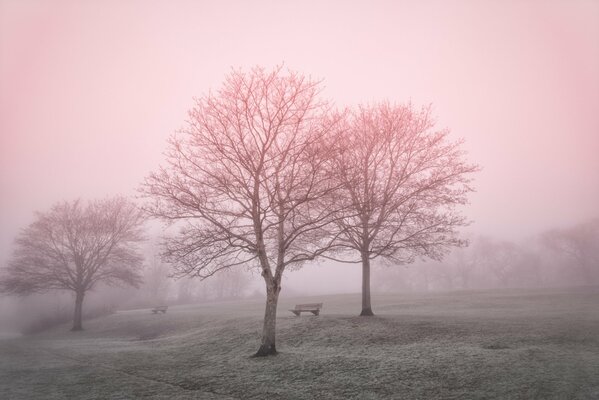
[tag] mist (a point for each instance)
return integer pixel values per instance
(90, 93)
(86, 110)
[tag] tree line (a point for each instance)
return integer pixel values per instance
(567, 256)
(266, 174)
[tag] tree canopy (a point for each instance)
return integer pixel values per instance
(402, 181)
(75, 246)
(248, 181)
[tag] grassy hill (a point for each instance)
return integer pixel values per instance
(463, 345)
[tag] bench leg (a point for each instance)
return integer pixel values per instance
(315, 312)
(297, 313)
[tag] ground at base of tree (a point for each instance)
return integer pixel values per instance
(514, 344)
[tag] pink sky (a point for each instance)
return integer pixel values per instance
(89, 91)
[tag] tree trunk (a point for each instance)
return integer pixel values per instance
(268, 347)
(366, 307)
(77, 316)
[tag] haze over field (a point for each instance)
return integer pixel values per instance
(90, 92)
(425, 346)
(420, 177)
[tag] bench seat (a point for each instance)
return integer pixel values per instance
(314, 308)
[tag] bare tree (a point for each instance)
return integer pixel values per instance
(462, 266)
(248, 181)
(156, 280)
(74, 247)
(403, 182)
(579, 244)
(500, 258)
(230, 283)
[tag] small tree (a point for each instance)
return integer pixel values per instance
(75, 247)
(248, 181)
(403, 182)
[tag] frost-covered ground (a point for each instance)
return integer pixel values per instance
(466, 345)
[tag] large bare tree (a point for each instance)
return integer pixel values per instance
(75, 246)
(402, 182)
(248, 181)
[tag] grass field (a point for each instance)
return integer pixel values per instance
(513, 344)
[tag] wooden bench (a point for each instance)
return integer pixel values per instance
(158, 309)
(314, 308)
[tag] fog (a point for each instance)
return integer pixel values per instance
(91, 91)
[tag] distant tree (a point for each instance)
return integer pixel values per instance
(248, 180)
(403, 182)
(462, 266)
(230, 283)
(500, 258)
(529, 270)
(390, 278)
(226, 284)
(156, 280)
(186, 292)
(75, 246)
(580, 245)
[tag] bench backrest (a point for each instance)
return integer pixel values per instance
(160, 308)
(310, 306)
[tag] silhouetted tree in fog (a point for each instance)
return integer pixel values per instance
(402, 181)
(580, 246)
(247, 181)
(230, 283)
(75, 246)
(461, 266)
(156, 280)
(504, 260)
